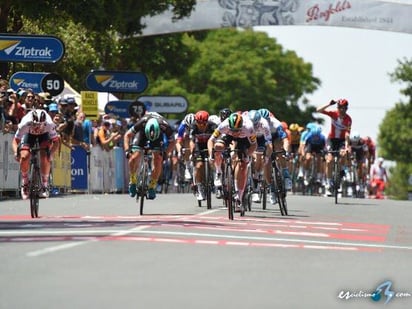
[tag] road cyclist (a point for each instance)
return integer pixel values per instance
(358, 151)
(182, 143)
(199, 134)
(313, 162)
(152, 131)
(263, 151)
(35, 126)
(236, 132)
(338, 137)
(280, 142)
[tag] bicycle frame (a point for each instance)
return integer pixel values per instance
(279, 183)
(336, 173)
(35, 180)
(229, 180)
(142, 182)
(207, 178)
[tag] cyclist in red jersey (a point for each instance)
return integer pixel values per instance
(371, 152)
(338, 138)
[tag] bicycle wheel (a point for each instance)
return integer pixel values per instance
(336, 179)
(208, 186)
(264, 193)
(142, 187)
(280, 192)
(34, 189)
(229, 190)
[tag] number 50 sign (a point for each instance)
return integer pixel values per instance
(38, 81)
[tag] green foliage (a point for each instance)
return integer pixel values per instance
(212, 69)
(246, 70)
(395, 137)
(398, 183)
(97, 33)
(403, 73)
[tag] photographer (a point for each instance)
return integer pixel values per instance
(9, 109)
(68, 115)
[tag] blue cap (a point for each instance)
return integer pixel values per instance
(53, 107)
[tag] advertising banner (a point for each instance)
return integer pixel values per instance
(38, 82)
(116, 81)
(90, 104)
(119, 108)
(388, 15)
(79, 169)
(165, 104)
(30, 48)
(61, 170)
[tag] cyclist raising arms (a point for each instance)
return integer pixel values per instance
(338, 138)
(36, 125)
(240, 130)
(154, 131)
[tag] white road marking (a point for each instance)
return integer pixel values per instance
(141, 230)
(52, 249)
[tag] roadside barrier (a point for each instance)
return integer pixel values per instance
(73, 170)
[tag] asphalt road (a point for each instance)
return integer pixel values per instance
(95, 251)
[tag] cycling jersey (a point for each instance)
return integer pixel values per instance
(247, 131)
(339, 126)
(26, 127)
(202, 136)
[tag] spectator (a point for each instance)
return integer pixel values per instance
(9, 112)
(379, 178)
(78, 132)
(106, 138)
(43, 99)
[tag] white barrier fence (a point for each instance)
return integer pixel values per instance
(100, 171)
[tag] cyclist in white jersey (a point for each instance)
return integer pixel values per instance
(280, 141)
(263, 151)
(35, 125)
(239, 130)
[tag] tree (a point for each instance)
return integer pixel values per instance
(246, 70)
(395, 138)
(101, 22)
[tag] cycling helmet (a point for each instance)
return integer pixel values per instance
(294, 127)
(343, 103)
(38, 116)
(355, 137)
(311, 127)
(202, 116)
(235, 121)
(224, 113)
(264, 112)
(152, 129)
(255, 116)
(189, 119)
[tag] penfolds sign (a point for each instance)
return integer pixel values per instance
(324, 12)
(387, 15)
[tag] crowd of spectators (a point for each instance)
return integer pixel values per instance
(74, 129)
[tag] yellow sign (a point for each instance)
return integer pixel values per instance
(90, 104)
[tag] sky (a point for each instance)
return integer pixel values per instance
(353, 64)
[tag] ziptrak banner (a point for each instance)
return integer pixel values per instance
(390, 15)
(30, 48)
